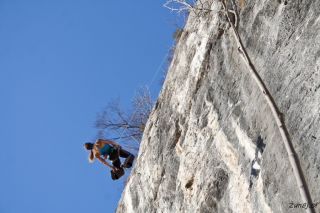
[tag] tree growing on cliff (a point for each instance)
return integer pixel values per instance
(229, 9)
(127, 124)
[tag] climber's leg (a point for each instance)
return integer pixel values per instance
(129, 158)
(119, 171)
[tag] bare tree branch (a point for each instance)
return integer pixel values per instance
(127, 124)
(183, 5)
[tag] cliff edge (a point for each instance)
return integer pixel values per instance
(211, 143)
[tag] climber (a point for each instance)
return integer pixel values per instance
(103, 147)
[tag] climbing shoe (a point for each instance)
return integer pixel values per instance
(113, 175)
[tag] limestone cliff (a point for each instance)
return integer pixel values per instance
(211, 143)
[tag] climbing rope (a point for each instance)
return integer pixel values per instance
(148, 89)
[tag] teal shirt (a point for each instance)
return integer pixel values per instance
(105, 149)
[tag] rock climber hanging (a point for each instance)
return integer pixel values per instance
(113, 151)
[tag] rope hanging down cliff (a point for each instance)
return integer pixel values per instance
(148, 88)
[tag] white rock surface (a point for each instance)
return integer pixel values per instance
(211, 143)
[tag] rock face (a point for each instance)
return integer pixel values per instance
(211, 143)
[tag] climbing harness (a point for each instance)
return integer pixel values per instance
(114, 157)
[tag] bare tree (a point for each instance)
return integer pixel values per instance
(127, 124)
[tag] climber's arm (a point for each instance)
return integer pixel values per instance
(97, 155)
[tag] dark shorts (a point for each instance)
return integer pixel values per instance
(114, 158)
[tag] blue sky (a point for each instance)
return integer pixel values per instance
(60, 63)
